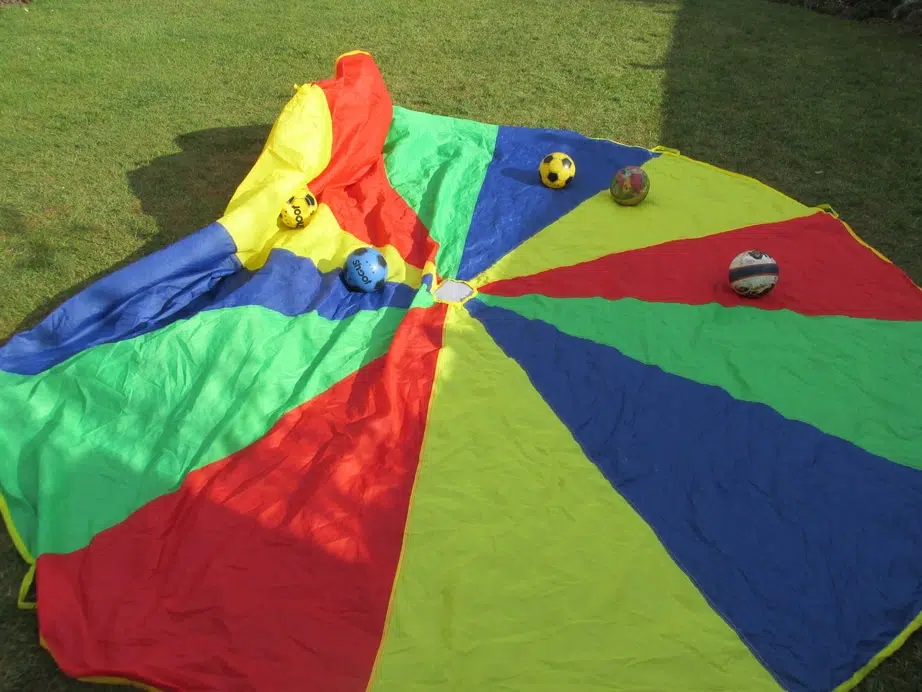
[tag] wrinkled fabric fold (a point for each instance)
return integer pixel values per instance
(555, 450)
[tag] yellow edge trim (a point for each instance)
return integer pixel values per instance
(105, 680)
(99, 679)
(347, 54)
(821, 207)
(14, 534)
(830, 210)
(913, 626)
(27, 580)
(407, 522)
(884, 653)
(23, 551)
(860, 240)
(26, 583)
(666, 151)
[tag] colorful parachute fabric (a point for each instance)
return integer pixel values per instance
(554, 452)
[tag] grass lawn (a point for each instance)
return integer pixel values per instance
(124, 126)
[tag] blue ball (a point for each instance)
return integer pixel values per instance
(365, 270)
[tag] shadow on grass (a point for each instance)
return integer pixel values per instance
(182, 192)
(39, 252)
(190, 189)
(825, 109)
(779, 94)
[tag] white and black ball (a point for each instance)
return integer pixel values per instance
(753, 273)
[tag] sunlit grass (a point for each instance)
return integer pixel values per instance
(124, 126)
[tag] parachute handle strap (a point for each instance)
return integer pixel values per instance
(660, 149)
(22, 601)
(828, 208)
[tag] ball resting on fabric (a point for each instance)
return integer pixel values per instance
(298, 210)
(365, 270)
(317, 422)
(557, 170)
(630, 186)
(753, 273)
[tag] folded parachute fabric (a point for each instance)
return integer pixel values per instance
(555, 451)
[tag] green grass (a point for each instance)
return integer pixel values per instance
(125, 125)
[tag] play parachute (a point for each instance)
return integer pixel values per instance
(554, 452)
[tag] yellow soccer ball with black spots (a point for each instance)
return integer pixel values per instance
(557, 170)
(298, 210)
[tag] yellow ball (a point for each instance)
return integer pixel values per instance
(557, 170)
(298, 210)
